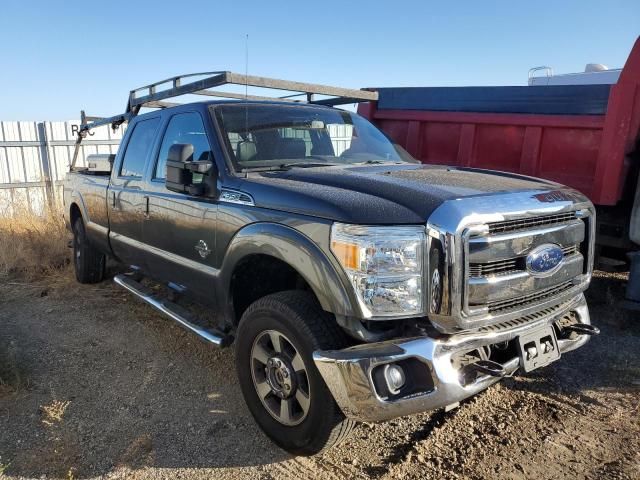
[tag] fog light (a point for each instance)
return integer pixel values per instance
(394, 376)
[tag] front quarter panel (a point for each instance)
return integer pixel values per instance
(294, 247)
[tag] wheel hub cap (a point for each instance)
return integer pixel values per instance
(280, 377)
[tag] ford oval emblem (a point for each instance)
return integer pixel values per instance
(545, 259)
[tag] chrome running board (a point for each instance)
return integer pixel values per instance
(172, 310)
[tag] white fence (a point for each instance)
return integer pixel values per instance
(34, 157)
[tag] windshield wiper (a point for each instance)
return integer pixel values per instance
(285, 166)
(377, 162)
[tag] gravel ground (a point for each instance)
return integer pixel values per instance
(95, 384)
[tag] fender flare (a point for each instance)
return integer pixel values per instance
(76, 199)
(296, 250)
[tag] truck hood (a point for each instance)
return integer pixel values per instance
(378, 194)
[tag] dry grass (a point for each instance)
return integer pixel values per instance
(54, 412)
(32, 246)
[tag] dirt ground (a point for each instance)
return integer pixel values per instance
(95, 384)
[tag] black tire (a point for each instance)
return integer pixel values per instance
(88, 262)
(301, 320)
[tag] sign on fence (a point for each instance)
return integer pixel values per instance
(35, 156)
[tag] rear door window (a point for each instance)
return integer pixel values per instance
(138, 148)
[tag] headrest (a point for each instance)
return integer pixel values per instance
(246, 151)
(180, 152)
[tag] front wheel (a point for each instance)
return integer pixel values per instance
(279, 380)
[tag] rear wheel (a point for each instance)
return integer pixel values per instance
(88, 262)
(280, 382)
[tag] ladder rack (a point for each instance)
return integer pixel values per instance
(150, 96)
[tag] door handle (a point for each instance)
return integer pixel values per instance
(146, 206)
(113, 199)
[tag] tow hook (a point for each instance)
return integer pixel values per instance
(487, 367)
(582, 329)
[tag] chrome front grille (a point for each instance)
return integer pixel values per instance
(498, 280)
(528, 223)
(509, 324)
(524, 300)
(478, 249)
(511, 265)
(493, 268)
(570, 250)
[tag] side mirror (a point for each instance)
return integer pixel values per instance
(181, 167)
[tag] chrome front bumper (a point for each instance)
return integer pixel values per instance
(348, 372)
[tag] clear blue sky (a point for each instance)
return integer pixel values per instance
(58, 57)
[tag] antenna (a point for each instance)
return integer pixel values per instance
(246, 87)
(246, 66)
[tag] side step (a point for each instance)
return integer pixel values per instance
(172, 310)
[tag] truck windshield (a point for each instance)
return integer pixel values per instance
(281, 136)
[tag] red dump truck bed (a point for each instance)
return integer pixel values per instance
(584, 136)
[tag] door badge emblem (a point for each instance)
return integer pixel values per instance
(202, 249)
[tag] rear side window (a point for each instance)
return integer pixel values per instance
(137, 151)
(184, 128)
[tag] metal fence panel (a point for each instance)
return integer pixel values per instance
(35, 156)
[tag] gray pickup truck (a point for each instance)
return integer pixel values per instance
(355, 283)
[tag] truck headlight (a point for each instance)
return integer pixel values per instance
(384, 265)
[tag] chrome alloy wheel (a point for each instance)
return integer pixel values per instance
(280, 378)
